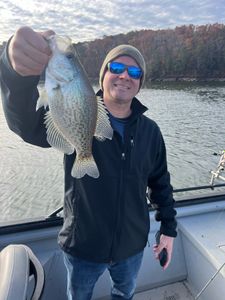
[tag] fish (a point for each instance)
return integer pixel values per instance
(74, 114)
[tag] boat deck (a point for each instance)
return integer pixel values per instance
(197, 267)
(175, 291)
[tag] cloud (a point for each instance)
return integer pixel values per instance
(93, 19)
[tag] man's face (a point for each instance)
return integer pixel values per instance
(120, 88)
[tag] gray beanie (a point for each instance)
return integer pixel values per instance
(122, 50)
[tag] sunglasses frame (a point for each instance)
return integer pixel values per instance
(125, 68)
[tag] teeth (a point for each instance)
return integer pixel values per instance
(122, 86)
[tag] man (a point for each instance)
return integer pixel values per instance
(106, 220)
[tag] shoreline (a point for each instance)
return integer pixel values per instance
(187, 79)
(175, 79)
(168, 80)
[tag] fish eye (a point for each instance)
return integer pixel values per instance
(70, 55)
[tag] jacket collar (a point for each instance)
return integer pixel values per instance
(136, 106)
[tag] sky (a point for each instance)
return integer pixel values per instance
(87, 20)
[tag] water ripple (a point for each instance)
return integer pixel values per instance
(191, 120)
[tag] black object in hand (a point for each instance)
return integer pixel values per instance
(163, 254)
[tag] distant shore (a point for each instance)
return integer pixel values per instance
(187, 53)
(150, 81)
(187, 79)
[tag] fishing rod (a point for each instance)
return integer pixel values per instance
(215, 174)
(200, 187)
(192, 188)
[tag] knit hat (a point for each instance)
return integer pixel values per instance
(122, 50)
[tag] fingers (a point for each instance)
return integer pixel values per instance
(167, 243)
(26, 66)
(157, 250)
(29, 51)
(168, 261)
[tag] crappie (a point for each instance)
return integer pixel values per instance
(75, 115)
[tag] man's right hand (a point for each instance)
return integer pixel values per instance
(29, 52)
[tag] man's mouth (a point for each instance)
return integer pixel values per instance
(121, 86)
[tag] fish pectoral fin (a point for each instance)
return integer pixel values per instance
(83, 166)
(42, 100)
(54, 136)
(103, 127)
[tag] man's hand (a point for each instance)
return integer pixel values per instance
(165, 242)
(29, 52)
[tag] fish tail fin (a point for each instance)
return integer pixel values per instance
(84, 166)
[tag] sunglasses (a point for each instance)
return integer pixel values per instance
(118, 68)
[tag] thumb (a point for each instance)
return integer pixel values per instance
(46, 34)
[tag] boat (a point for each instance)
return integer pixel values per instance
(31, 262)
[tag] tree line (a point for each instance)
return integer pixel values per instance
(186, 52)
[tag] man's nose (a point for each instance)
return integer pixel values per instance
(124, 75)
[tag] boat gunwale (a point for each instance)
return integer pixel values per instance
(55, 220)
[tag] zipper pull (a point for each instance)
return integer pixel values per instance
(123, 156)
(132, 141)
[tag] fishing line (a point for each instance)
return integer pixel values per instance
(209, 282)
(218, 220)
(221, 267)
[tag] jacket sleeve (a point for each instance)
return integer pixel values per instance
(19, 96)
(160, 191)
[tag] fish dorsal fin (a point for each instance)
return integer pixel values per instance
(55, 138)
(103, 127)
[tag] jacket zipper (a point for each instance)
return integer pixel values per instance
(131, 151)
(118, 221)
(132, 141)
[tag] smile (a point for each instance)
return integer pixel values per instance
(121, 86)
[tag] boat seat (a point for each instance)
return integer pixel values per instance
(17, 264)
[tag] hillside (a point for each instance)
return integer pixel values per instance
(184, 53)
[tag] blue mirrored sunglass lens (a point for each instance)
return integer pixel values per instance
(134, 72)
(116, 68)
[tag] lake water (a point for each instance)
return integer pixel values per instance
(191, 118)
